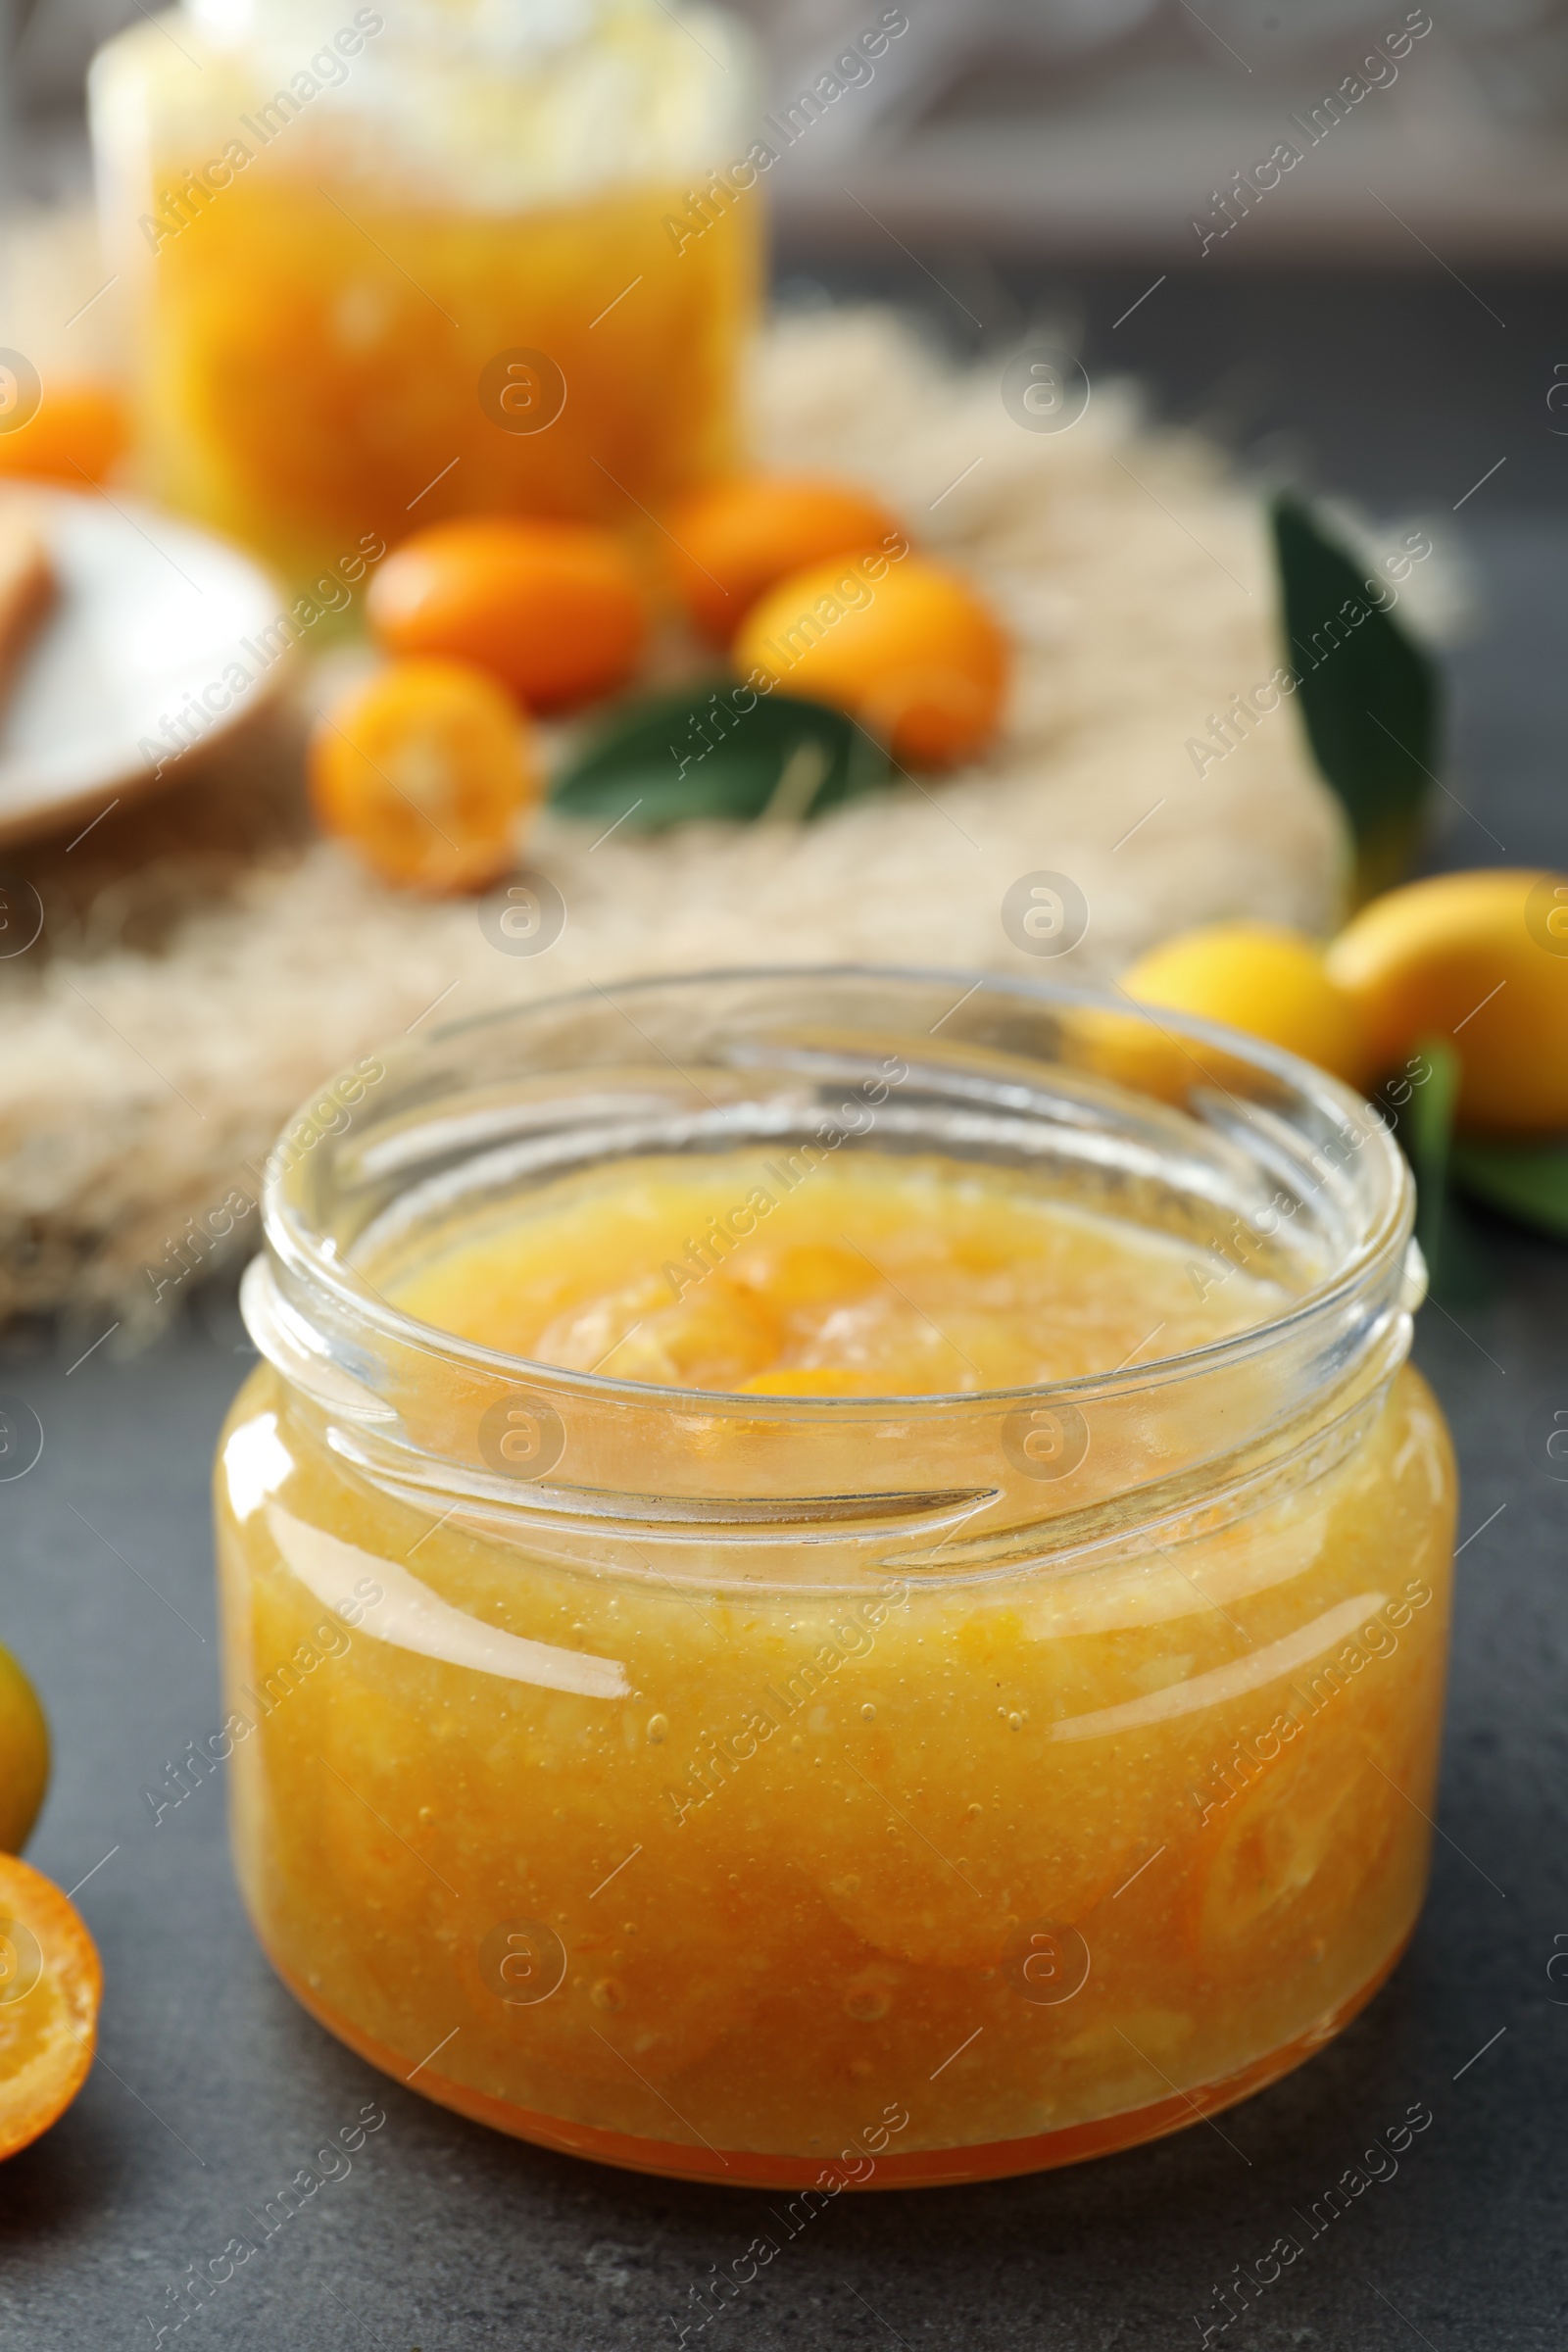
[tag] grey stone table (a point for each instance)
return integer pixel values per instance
(213, 2088)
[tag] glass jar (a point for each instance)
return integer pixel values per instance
(434, 257)
(842, 1791)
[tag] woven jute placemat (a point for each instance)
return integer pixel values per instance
(204, 963)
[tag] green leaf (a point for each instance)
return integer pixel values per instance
(1369, 695)
(718, 751)
(1456, 1266)
(1527, 1181)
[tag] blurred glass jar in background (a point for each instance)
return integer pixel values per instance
(429, 257)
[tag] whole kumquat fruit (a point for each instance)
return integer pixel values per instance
(77, 435)
(902, 645)
(51, 1982)
(1261, 977)
(1480, 959)
(424, 772)
(23, 1755)
(554, 610)
(735, 540)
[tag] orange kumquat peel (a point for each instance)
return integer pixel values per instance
(77, 437)
(554, 610)
(1481, 960)
(1262, 977)
(732, 543)
(23, 1755)
(905, 645)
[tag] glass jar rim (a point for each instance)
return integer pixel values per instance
(1383, 1244)
(1016, 1072)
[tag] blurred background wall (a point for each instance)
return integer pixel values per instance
(1089, 127)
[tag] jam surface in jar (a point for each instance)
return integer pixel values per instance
(867, 1853)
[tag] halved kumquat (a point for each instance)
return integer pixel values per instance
(425, 773)
(51, 1984)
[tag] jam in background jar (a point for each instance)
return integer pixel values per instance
(389, 263)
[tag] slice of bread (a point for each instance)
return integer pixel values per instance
(26, 588)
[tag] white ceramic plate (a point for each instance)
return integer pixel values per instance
(149, 615)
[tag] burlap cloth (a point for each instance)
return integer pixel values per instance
(204, 962)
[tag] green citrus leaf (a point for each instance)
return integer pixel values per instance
(1368, 694)
(1456, 1266)
(1526, 1181)
(718, 751)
